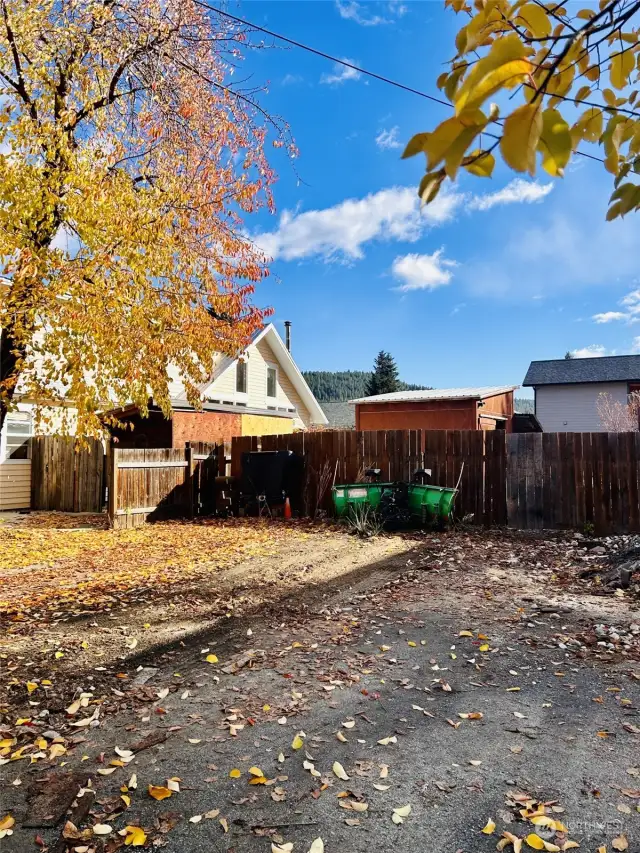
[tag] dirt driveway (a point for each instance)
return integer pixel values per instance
(429, 689)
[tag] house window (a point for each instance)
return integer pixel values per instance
(272, 382)
(241, 377)
(18, 431)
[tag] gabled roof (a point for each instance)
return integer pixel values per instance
(564, 371)
(437, 394)
(288, 365)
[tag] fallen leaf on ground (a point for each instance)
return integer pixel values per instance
(317, 846)
(211, 658)
(620, 843)
(489, 828)
(159, 792)
(339, 771)
(102, 829)
(136, 836)
(235, 773)
(297, 742)
(510, 838)
(400, 813)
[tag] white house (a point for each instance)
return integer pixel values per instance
(259, 393)
(567, 390)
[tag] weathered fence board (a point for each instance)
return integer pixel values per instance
(163, 483)
(65, 475)
(574, 481)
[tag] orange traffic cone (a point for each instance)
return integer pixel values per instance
(287, 509)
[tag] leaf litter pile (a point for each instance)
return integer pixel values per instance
(52, 572)
(444, 709)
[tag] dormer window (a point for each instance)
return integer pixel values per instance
(241, 377)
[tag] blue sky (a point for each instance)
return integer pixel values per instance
(496, 273)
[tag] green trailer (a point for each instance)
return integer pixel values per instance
(431, 504)
(358, 494)
(425, 503)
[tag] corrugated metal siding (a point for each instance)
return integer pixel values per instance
(573, 408)
(15, 484)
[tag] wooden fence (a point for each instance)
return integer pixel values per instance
(529, 481)
(576, 480)
(155, 484)
(66, 476)
(476, 459)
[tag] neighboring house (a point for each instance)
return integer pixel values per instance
(567, 390)
(450, 408)
(260, 393)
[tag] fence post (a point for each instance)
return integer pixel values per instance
(188, 478)
(112, 502)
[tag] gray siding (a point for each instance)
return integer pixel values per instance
(573, 408)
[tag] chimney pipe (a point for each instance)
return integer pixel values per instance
(287, 334)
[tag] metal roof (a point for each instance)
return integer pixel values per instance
(563, 371)
(438, 394)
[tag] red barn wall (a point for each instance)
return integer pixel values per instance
(428, 414)
(435, 414)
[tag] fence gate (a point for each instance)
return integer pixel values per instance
(65, 476)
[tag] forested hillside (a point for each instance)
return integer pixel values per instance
(344, 384)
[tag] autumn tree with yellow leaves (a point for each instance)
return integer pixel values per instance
(564, 79)
(127, 164)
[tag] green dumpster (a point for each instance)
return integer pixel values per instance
(358, 494)
(431, 503)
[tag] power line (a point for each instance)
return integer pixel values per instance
(322, 54)
(348, 64)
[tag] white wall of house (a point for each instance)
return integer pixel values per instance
(259, 357)
(573, 408)
(15, 474)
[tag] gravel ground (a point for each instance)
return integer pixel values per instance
(463, 624)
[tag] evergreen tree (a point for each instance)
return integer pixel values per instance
(384, 379)
(568, 354)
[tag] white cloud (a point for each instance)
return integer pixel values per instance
(592, 351)
(635, 345)
(387, 139)
(291, 79)
(516, 192)
(609, 316)
(341, 231)
(632, 298)
(422, 272)
(630, 313)
(341, 73)
(350, 10)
